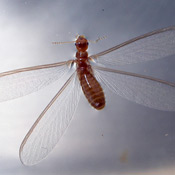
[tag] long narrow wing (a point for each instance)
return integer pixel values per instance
(145, 90)
(51, 124)
(20, 82)
(151, 46)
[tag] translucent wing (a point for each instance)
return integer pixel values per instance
(148, 91)
(51, 124)
(24, 81)
(151, 46)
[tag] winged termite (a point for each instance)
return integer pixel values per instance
(55, 118)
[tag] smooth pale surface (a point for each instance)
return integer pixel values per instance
(124, 138)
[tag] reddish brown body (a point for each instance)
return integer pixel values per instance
(90, 86)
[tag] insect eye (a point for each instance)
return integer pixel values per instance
(87, 43)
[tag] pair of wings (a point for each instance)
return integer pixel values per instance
(53, 121)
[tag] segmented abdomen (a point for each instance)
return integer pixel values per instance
(92, 90)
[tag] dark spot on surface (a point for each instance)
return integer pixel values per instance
(124, 157)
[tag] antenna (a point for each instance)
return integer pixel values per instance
(64, 42)
(98, 39)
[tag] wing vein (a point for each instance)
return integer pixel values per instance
(44, 111)
(34, 68)
(135, 75)
(131, 41)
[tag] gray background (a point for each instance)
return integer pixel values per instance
(124, 138)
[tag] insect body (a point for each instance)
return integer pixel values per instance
(55, 118)
(90, 86)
